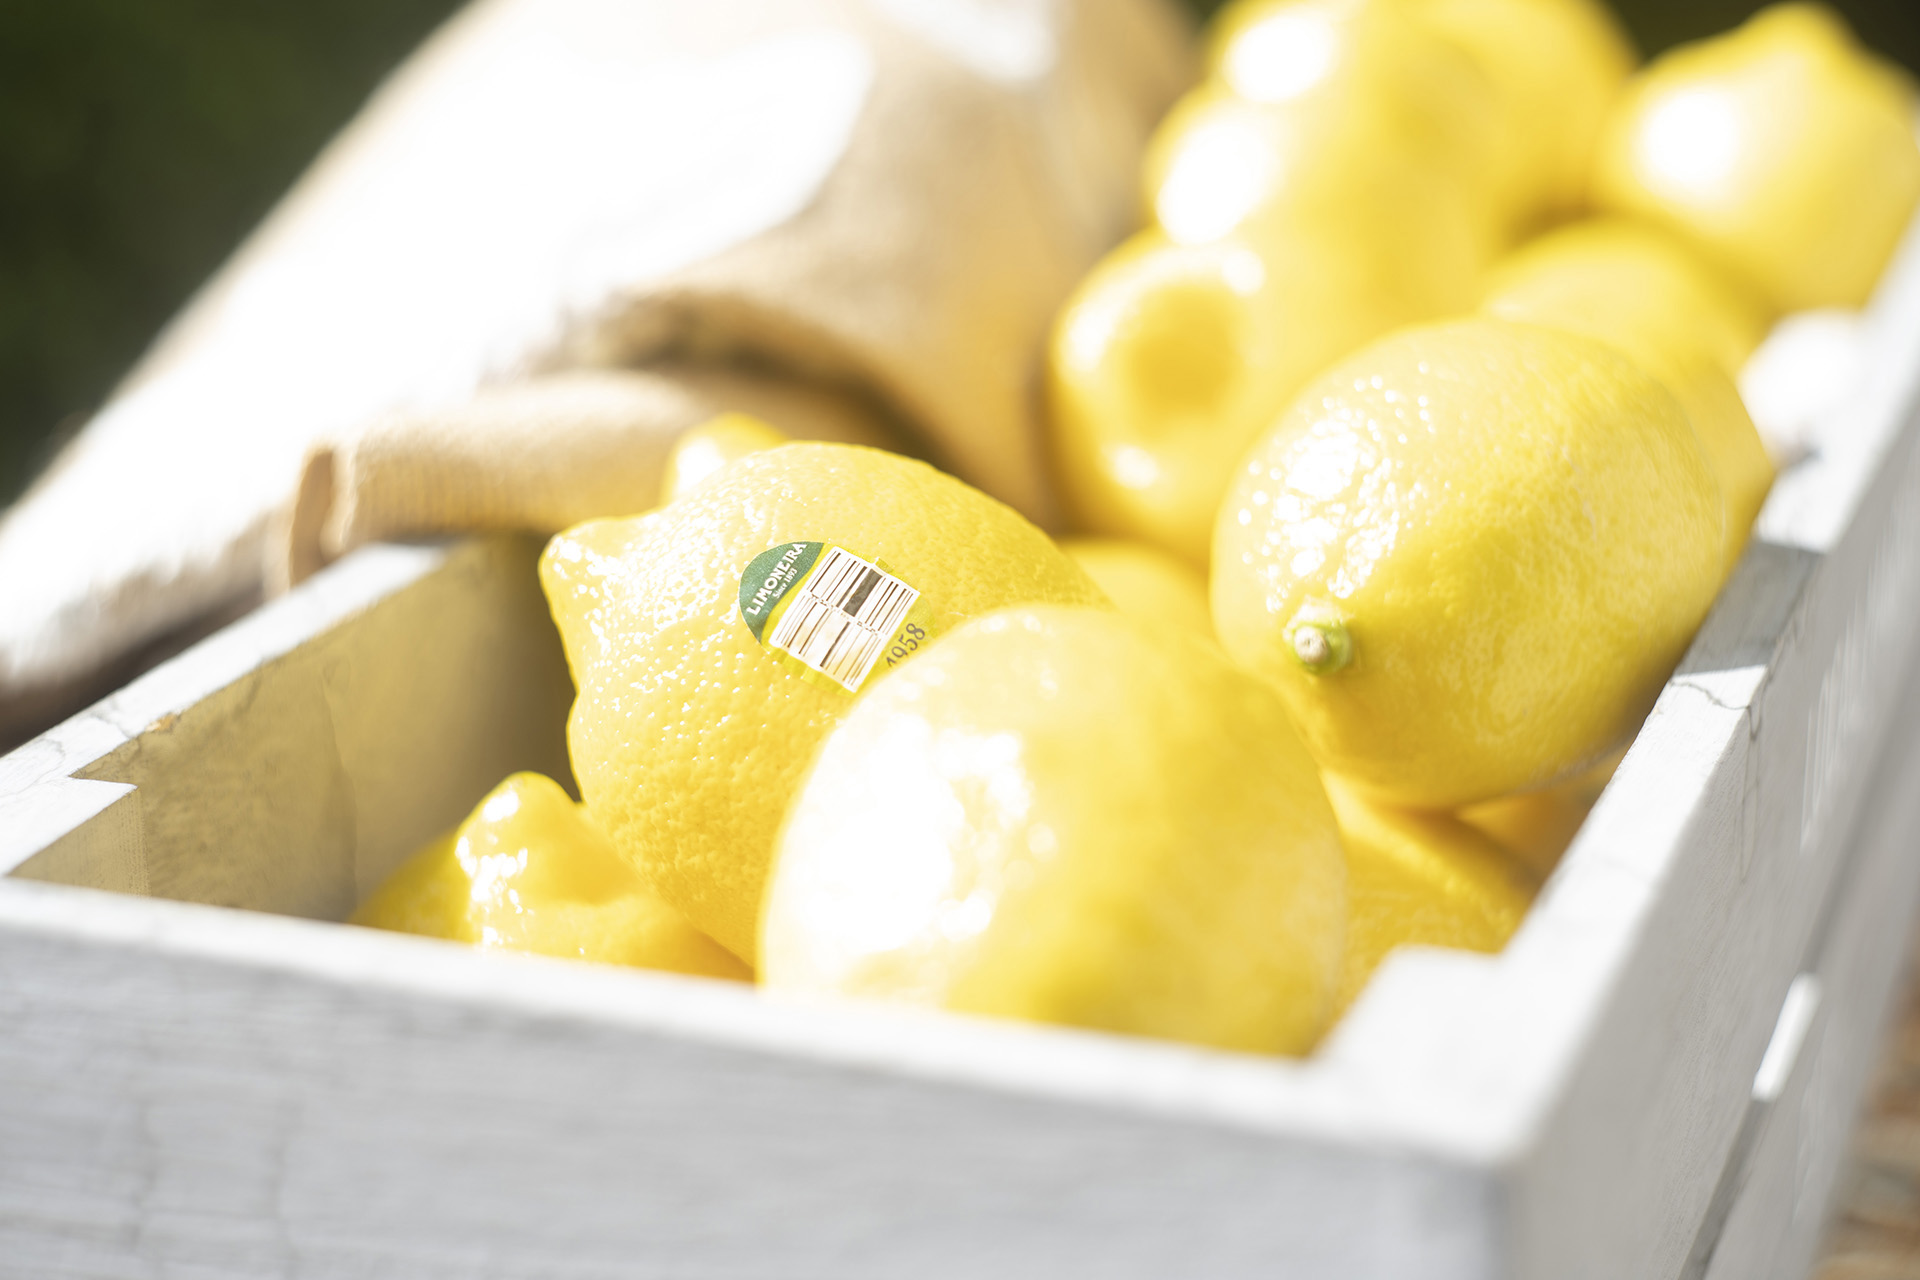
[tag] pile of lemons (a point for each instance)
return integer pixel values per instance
(1406, 456)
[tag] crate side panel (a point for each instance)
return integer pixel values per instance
(163, 1113)
(432, 704)
(1687, 1021)
(103, 846)
(1788, 1183)
(299, 782)
(1622, 1174)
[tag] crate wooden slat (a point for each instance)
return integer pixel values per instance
(201, 1074)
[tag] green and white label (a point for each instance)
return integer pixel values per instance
(834, 613)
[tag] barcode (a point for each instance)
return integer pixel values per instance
(841, 618)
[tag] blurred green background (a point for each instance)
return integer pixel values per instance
(140, 141)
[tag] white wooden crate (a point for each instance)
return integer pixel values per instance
(191, 1090)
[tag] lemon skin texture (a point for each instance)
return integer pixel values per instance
(688, 735)
(1421, 879)
(703, 450)
(1556, 67)
(1506, 533)
(1057, 815)
(1146, 584)
(1169, 360)
(528, 871)
(1653, 297)
(1782, 148)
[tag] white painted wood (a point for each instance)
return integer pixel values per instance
(1800, 1127)
(331, 733)
(196, 1091)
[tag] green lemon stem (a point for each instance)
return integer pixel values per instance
(1321, 643)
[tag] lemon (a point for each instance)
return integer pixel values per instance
(1343, 122)
(692, 727)
(1057, 815)
(1555, 67)
(1632, 283)
(1342, 176)
(1148, 585)
(1537, 826)
(1782, 148)
(1468, 556)
(704, 449)
(1421, 879)
(528, 871)
(1169, 360)
(1361, 68)
(1650, 295)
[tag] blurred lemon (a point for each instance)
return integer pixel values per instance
(1147, 584)
(714, 643)
(1782, 148)
(1055, 814)
(1650, 295)
(1169, 360)
(1538, 826)
(1555, 67)
(528, 871)
(1468, 556)
(1421, 879)
(1342, 121)
(701, 451)
(1634, 282)
(1354, 68)
(1222, 168)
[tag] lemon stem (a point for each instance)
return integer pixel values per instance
(1322, 644)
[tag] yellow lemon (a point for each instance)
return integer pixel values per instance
(703, 450)
(714, 643)
(1221, 167)
(1170, 359)
(1421, 879)
(1468, 556)
(1782, 148)
(1638, 288)
(1148, 585)
(1632, 283)
(1537, 826)
(1057, 815)
(528, 871)
(1361, 68)
(1555, 67)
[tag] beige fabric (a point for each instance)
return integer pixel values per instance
(541, 454)
(891, 196)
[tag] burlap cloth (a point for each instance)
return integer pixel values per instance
(564, 231)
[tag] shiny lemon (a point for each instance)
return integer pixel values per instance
(715, 642)
(529, 871)
(1057, 815)
(1468, 556)
(1649, 294)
